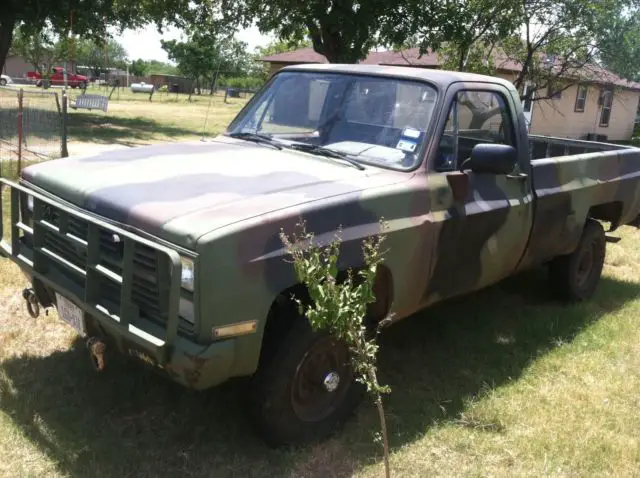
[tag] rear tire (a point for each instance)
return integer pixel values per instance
(3, 82)
(574, 277)
(305, 390)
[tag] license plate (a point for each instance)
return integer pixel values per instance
(70, 313)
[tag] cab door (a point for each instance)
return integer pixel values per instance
(479, 239)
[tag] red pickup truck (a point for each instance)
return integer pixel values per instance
(57, 78)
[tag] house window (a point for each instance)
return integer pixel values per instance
(581, 98)
(607, 103)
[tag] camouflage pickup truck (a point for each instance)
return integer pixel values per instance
(170, 253)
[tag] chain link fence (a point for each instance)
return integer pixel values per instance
(31, 125)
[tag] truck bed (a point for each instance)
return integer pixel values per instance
(576, 179)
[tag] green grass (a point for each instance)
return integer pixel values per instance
(504, 382)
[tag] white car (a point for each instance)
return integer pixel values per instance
(5, 80)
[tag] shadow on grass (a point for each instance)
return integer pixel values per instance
(38, 124)
(116, 130)
(129, 422)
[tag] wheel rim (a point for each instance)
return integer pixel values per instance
(586, 262)
(321, 380)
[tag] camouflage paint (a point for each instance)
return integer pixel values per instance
(227, 200)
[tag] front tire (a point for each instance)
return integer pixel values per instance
(305, 390)
(3, 82)
(574, 277)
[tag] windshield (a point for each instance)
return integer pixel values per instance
(375, 120)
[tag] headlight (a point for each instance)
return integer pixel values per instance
(30, 203)
(187, 274)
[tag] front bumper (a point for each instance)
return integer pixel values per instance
(185, 361)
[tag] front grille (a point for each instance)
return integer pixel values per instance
(149, 267)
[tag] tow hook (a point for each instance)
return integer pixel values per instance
(31, 301)
(96, 348)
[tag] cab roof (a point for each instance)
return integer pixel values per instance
(441, 78)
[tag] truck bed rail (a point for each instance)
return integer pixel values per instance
(549, 146)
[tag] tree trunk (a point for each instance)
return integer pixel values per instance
(383, 422)
(385, 439)
(7, 24)
(329, 43)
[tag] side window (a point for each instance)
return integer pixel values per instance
(474, 117)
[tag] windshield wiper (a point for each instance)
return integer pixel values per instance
(256, 137)
(331, 153)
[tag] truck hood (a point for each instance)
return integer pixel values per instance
(180, 191)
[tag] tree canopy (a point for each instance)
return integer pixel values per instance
(342, 30)
(100, 55)
(142, 67)
(547, 39)
(90, 19)
(40, 48)
(619, 41)
(204, 55)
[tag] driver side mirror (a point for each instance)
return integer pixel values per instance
(491, 158)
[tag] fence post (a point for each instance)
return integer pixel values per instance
(20, 132)
(58, 104)
(63, 147)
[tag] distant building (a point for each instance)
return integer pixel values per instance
(16, 66)
(175, 84)
(601, 105)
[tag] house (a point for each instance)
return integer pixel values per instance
(16, 66)
(598, 105)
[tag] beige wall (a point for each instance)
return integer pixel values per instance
(558, 118)
(16, 67)
(274, 67)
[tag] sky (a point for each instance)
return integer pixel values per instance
(145, 43)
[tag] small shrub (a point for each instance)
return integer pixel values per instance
(340, 307)
(246, 82)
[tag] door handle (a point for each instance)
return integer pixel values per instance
(518, 177)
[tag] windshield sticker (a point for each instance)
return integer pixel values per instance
(404, 145)
(411, 133)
